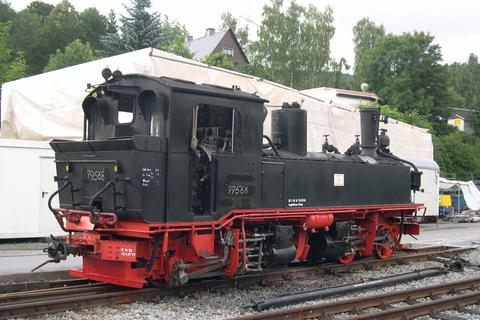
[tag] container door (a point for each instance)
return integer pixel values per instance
(47, 223)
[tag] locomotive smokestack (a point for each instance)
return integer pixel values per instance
(369, 119)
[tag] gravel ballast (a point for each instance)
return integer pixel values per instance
(227, 303)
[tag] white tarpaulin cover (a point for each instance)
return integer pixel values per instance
(48, 105)
(470, 191)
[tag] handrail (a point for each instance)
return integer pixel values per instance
(94, 216)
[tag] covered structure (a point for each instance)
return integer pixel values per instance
(48, 105)
(469, 190)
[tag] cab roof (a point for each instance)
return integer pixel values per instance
(180, 85)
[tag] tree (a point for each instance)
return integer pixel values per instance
(230, 22)
(28, 36)
(405, 71)
(75, 52)
(93, 25)
(111, 22)
(140, 29)
(335, 75)
(41, 8)
(474, 121)
(62, 25)
(221, 60)
(111, 43)
(173, 39)
(457, 153)
(464, 79)
(365, 34)
(12, 63)
(178, 46)
(6, 11)
(294, 46)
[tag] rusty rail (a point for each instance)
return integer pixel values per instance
(62, 298)
(384, 301)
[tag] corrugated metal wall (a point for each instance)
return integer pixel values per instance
(22, 213)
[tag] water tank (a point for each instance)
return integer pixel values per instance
(289, 129)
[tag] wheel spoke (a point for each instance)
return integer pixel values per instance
(385, 244)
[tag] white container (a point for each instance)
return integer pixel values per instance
(429, 189)
(27, 169)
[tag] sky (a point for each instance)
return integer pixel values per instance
(454, 24)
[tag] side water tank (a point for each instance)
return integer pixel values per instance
(289, 129)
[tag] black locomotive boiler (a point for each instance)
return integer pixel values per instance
(175, 181)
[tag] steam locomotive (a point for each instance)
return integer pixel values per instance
(175, 181)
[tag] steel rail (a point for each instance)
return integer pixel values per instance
(384, 300)
(43, 301)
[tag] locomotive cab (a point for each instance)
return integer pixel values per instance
(152, 139)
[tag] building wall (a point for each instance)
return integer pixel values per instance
(27, 169)
(229, 42)
(457, 122)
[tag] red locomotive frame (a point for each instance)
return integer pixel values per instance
(132, 253)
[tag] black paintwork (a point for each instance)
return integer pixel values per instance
(162, 174)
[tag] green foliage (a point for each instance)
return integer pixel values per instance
(6, 11)
(28, 36)
(92, 26)
(457, 154)
(294, 45)
(334, 75)
(406, 72)
(111, 23)
(62, 25)
(110, 42)
(12, 64)
(230, 22)
(40, 8)
(413, 118)
(178, 47)
(173, 39)
(220, 59)
(365, 34)
(140, 29)
(464, 78)
(474, 121)
(41, 29)
(75, 52)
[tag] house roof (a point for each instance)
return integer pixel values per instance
(343, 93)
(354, 93)
(456, 116)
(463, 112)
(204, 46)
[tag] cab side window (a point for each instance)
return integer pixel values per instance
(217, 128)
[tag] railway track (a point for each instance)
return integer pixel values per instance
(80, 295)
(406, 304)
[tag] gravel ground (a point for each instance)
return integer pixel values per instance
(221, 304)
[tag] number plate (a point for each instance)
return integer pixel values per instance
(95, 175)
(238, 190)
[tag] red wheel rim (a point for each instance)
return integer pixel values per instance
(346, 259)
(385, 247)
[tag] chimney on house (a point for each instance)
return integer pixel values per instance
(209, 32)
